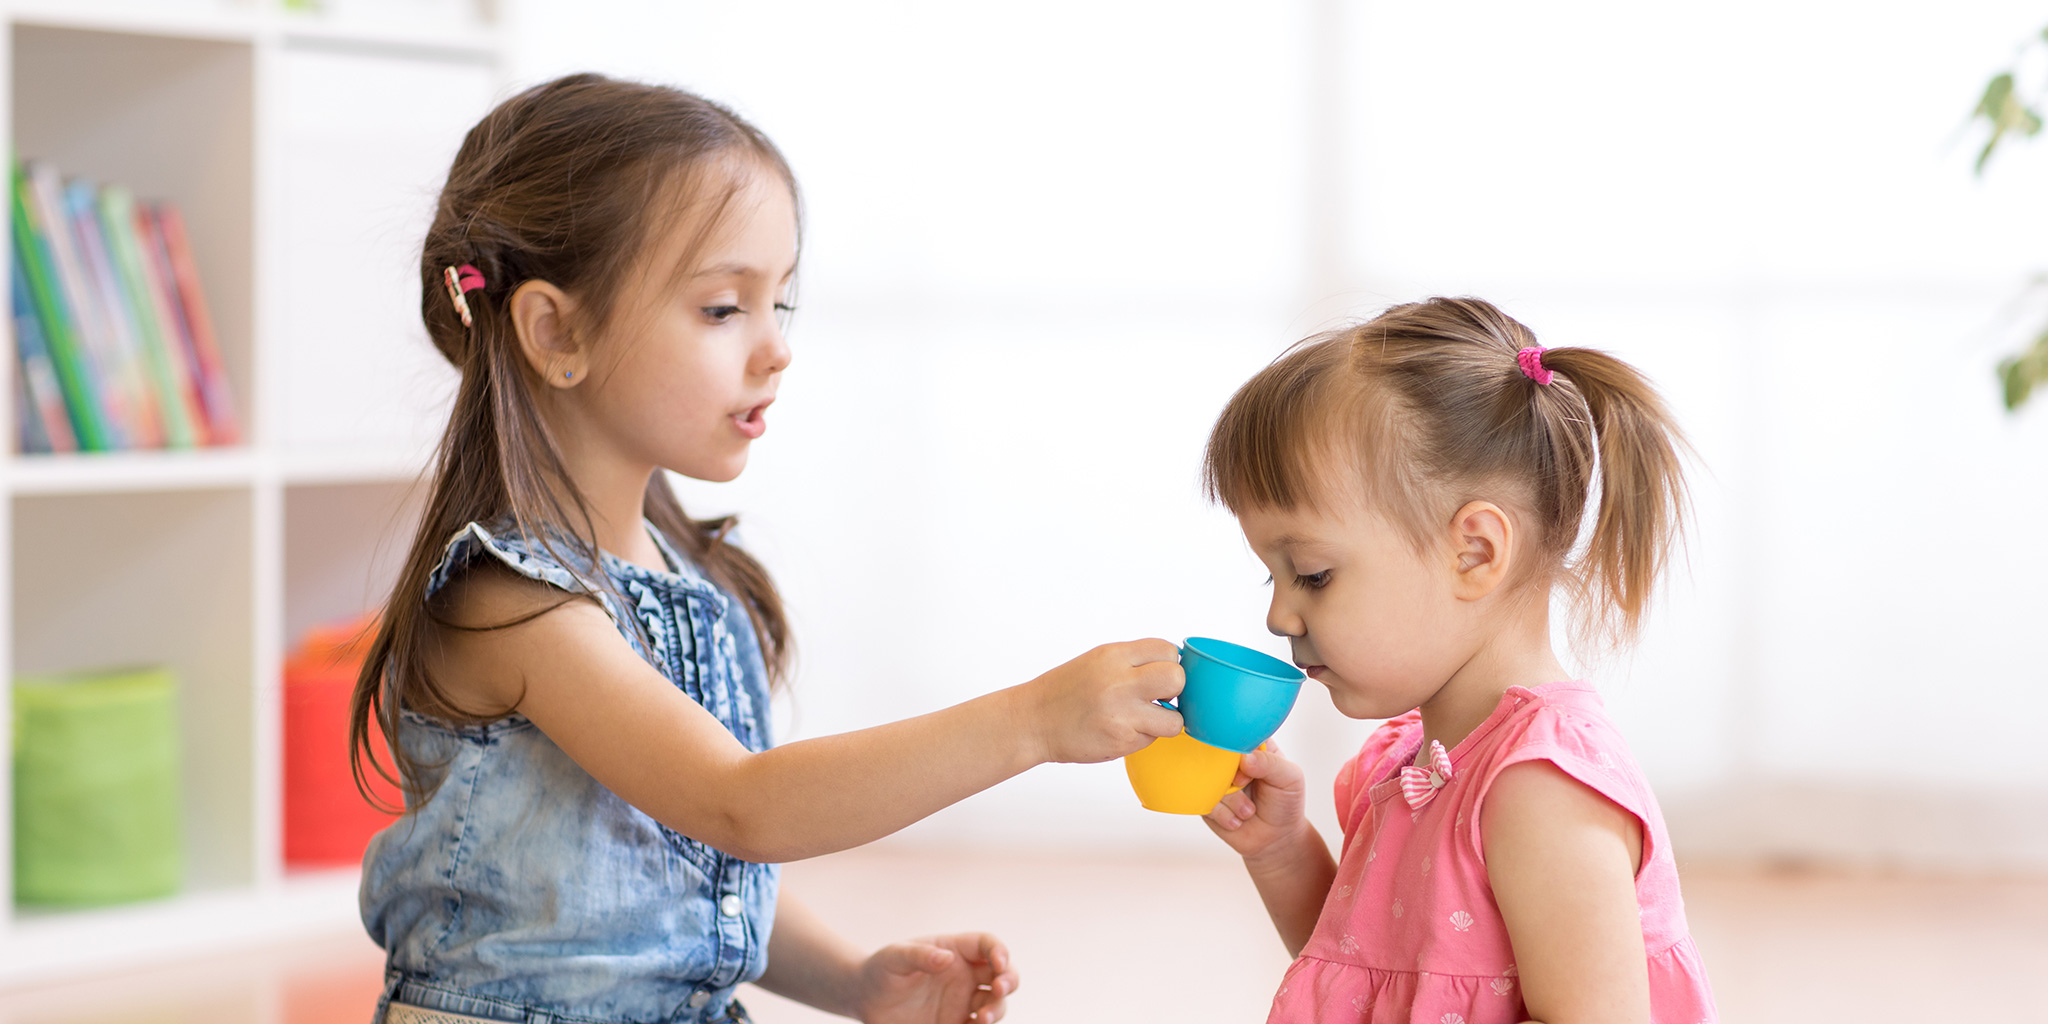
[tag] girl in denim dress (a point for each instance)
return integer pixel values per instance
(574, 677)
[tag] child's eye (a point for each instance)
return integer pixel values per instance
(720, 314)
(1316, 581)
(783, 311)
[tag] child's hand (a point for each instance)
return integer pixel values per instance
(1099, 706)
(1268, 812)
(945, 979)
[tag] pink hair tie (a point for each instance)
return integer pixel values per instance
(1531, 362)
(459, 280)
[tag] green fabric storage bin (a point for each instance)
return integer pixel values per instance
(98, 810)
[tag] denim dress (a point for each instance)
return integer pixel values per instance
(524, 890)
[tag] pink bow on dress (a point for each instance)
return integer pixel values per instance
(1419, 784)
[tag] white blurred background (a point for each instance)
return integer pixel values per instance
(1046, 242)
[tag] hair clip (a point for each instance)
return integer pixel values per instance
(464, 278)
(1529, 359)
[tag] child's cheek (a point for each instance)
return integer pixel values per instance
(1378, 670)
(1359, 698)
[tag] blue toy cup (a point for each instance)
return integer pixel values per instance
(1235, 697)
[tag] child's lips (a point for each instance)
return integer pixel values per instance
(754, 422)
(1313, 671)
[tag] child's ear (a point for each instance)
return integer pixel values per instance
(1483, 542)
(540, 317)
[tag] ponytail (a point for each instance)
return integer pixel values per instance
(1642, 485)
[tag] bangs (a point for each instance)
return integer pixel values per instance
(1291, 432)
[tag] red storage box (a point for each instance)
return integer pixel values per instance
(327, 823)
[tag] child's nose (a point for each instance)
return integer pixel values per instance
(773, 356)
(1282, 622)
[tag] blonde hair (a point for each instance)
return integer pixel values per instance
(1427, 407)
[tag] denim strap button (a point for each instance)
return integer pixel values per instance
(729, 904)
(699, 998)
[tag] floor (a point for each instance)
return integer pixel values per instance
(1125, 939)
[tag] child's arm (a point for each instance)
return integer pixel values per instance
(1562, 860)
(1285, 855)
(570, 671)
(937, 980)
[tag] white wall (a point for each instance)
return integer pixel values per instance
(1045, 243)
(1771, 209)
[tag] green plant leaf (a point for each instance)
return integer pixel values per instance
(2012, 117)
(2015, 116)
(2020, 374)
(2013, 384)
(1996, 92)
(1995, 107)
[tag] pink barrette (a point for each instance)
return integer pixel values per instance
(464, 278)
(1531, 362)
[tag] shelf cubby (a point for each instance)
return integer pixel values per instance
(171, 118)
(103, 581)
(305, 162)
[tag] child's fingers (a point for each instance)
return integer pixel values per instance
(1155, 721)
(989, 956)
(992, 1001)
(907, 958)
(1145, 652)
(1268, 766)
(989, 1011)
(1160, 680)
(1239, 804)
(1231, 812)
(1223, 819)
(990, 950)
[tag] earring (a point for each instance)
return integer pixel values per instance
(569, 375)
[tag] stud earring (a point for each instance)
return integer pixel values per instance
(570, 374)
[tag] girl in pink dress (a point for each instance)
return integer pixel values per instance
(1417, 485)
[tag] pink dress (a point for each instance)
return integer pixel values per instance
(1410, 932)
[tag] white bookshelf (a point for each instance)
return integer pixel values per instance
(305, 149)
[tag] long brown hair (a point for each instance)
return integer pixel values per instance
(565, 183)
(1428, 407)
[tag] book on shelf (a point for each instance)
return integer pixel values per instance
(43, 211)
(45, 425)
(51, 309)
(163, 359)
(111, 324)
(164, 230)
(117, 318)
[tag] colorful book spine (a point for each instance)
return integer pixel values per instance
(102, 357)
(46, 425)
(198, 320)
(68, 351)
(33, 439)
(163, 291)
(162, 357)
(130, 360)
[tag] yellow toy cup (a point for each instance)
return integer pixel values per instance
(1181, 775)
